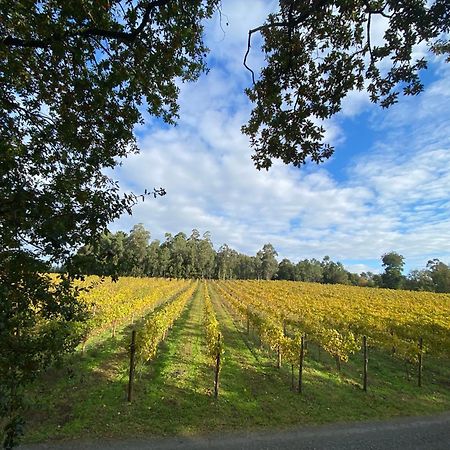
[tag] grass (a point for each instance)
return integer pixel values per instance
(86, 397)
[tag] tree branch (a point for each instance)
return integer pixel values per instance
(290, 24)
(11, 41)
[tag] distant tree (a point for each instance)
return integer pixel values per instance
(247, 267)
(135, 251)
(334, 273)
(419, 280)
(309, 270)
(286, 270)
(179, 256)
(377, 280)
(392, 277)
(440, 275)
(164, 257)
(269, 265)
(104, 256)
(226, 262)
(205, 256)
(152, 259)
(368, 279)
(354, 279)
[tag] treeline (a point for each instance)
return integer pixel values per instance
(194, 256)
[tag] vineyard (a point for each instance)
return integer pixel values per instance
(166, 356)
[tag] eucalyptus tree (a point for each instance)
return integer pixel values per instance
(393, 267)
(286, 270)
(269, 264)
(439, 273)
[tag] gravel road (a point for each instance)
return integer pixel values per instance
(425, 433)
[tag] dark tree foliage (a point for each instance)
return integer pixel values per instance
(75, 77)
(286, 270)
(440, 275)
(268, 264)
(317, 51)
(393, 267)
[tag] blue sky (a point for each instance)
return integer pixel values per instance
(386, 188)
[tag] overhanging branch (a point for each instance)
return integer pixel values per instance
(11, 41)
(290, 24)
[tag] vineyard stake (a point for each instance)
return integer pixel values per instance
(365, 364)
(300, 366)
(278, 357)
(420, 361)
(216, 375)
(132, 353)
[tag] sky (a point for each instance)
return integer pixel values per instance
(386, 188)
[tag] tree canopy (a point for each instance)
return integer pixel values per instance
(75, 79)
(318, 51)
(393, 267)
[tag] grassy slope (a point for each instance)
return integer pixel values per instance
(86, 398)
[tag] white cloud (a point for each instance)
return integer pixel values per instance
(395, 197)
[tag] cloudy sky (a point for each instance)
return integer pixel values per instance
(386, 188)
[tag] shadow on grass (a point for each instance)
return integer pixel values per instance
(173, 394)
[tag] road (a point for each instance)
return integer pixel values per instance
(424, 433)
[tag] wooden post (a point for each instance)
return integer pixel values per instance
(114, 329)
(279, 357)
(365, 363)
(420, 362)
(300, 366)
(216, 375)
(248, 323)
(292, 377)
(132, 353)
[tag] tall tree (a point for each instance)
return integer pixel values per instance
(440, 275)
(269, 264)
(393, 266)
(309, 270)
(226, 262)
(136, 250)
(419, 280)
(152, 259)
(333, 273)
(206, 256)
(286, 270)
